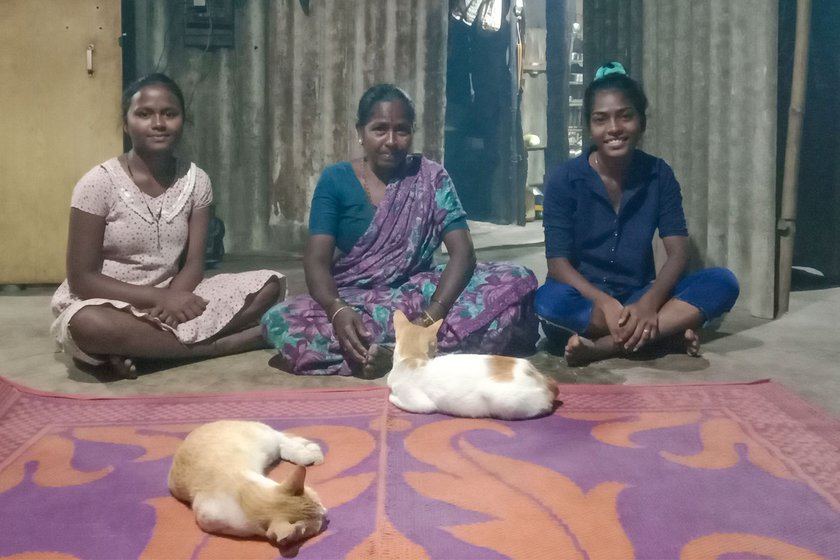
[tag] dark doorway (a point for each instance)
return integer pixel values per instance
(483, 137)
(816, 255)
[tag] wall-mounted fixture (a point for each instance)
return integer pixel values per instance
(208, 24)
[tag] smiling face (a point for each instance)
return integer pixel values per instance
(154, 120)
(615, 124)
(386, 137)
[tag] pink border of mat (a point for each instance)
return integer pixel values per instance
(774, 388)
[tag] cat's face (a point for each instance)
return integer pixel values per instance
(414, 341)
(305, 517)
(297, 513)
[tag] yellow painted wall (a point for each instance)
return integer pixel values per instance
(56, 123)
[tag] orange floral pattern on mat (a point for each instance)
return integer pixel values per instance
(461, 484)
(54, 457)
(534, 512)
(719, 438)
(715, 546)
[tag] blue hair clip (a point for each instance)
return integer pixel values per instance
(610, 68)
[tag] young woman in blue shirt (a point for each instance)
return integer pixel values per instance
(601, 210)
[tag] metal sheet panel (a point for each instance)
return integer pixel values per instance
(265, 117)
(709, 70)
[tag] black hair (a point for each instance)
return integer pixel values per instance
(156, 79)
(378, 94)
(623, 83)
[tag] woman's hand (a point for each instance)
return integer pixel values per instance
(351, 333)
(177, 306)
(639, 324)
(349, 329)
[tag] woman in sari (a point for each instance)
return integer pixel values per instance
(386, 214)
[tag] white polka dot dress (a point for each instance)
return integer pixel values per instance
(143, 241)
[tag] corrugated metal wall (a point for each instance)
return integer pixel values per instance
(266, 116)
(709, 69)
(612, 31)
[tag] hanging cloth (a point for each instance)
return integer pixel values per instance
(488, 13)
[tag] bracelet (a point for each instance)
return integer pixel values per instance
(337, 311)
(428, 320)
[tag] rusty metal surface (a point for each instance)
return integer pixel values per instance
(265, 117)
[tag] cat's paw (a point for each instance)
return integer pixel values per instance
(303, 452)
(283, 533)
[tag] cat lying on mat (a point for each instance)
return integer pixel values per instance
(219, 467)
(472, 385)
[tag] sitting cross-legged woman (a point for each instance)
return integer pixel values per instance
(386, 214)
(600, 214)
(135, 283)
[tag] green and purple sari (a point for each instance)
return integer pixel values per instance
(392, 267)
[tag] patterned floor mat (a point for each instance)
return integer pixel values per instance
(618, 472)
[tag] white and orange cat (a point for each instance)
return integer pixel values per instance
(471, 385)
(218, 470)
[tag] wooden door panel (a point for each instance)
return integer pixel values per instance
(58, 122)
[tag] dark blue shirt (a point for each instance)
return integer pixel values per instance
(340, 207)
(613, 251)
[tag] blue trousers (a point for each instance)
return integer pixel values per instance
(712, 290)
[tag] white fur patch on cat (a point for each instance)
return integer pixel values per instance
(219, 470)
(470, 385)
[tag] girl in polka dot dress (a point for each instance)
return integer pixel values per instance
(135, 254)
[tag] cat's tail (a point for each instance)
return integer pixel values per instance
(552, 386)
(550, 383)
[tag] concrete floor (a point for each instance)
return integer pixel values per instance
(800, 350)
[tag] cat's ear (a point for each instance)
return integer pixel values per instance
(399, 318)
(293, 485)
(435, 327)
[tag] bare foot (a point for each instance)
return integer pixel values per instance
(581, 351)
(280, 362)
(242, 341)
(123, 367)
(692, 343)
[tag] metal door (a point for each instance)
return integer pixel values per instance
(60, 83)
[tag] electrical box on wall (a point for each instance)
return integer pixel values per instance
(208, 24)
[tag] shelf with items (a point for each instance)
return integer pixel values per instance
(576, 90)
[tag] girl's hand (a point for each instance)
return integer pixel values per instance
(640, 324)
(352, 335)
(178, 306)
(612, 310)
